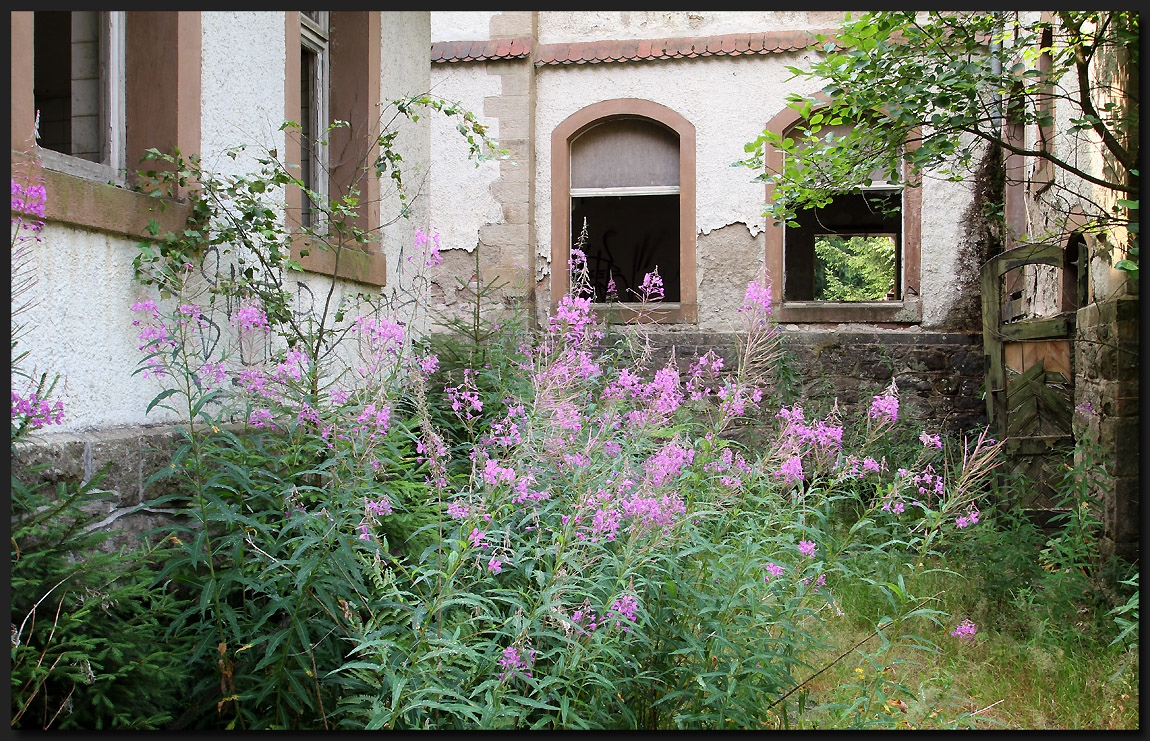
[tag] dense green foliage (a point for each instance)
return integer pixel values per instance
(928, 90)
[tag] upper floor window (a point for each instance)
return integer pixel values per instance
(78, 90)
(625, 169)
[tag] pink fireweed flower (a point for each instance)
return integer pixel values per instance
(249, 317)
(806, 547)
(931, 440)
(378, 508)
(36, 411)
(667, 463)
(495, 566)
(970, 518)
(476, 538)
(624, 608)
(774, 569)
(965, 629)
(429, 246)
(870, 464)
(757, 300)
(791, 470)
(261, 418)
(429, 364)
(383, 335)
(612, 290)
(458, 509)
(884, 408)
(29, 201)
(364, 533)
(516, 660)
(651, 289)
(211, 375)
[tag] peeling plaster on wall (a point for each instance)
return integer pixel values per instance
(943, 207)
(461, 200)
(728, 259)
(556, 26)
(461, 25)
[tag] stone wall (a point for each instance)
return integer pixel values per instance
(939, 374)
(1106, 410)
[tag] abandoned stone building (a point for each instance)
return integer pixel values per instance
(628, 122)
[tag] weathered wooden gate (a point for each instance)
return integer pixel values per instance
(1029, 375)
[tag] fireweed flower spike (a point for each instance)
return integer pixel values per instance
(806, 547)
(885, 407)
(965, 629)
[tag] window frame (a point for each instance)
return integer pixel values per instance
(353, 95)
(159, 46)
(908, 310)
(315, 39)
(112, 165)
(686, 309)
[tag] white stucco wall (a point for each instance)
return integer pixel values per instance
(461, 198)
(558, 26)
(461, 25)
(80, 327)
(242, 85)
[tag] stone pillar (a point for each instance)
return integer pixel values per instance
(509, 247)
(1106, 410)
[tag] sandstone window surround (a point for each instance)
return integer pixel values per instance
(790, 252)
(149, 65)
(335, 76)
(584, 182)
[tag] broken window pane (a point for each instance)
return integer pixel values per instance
(848, 250)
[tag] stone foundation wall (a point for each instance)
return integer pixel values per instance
(1106, 366)
(939, 374)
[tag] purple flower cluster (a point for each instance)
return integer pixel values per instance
(516, 660)
(965, 629)
(250, 317)
(931, 441)
(774, 570)
(970, 518)
(884, 408)
(429, 246)
(623, 608)
(806, 547)
(651, 289)
(29, 201)
(36, 411)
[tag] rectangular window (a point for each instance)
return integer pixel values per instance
(847, 251)
(78, 91)
(314, 70)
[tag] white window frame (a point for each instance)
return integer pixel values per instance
(112, 167)
(315, 37)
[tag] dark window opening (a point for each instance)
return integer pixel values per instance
(627, 238)
(849, 250)
(67, 85)
(625, 187)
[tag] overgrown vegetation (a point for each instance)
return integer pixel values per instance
(530, 530)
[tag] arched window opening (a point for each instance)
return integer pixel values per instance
(625, 192)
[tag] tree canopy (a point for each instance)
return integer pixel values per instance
(933, 89)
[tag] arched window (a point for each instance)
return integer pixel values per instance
(854, 260)
(626, 169)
